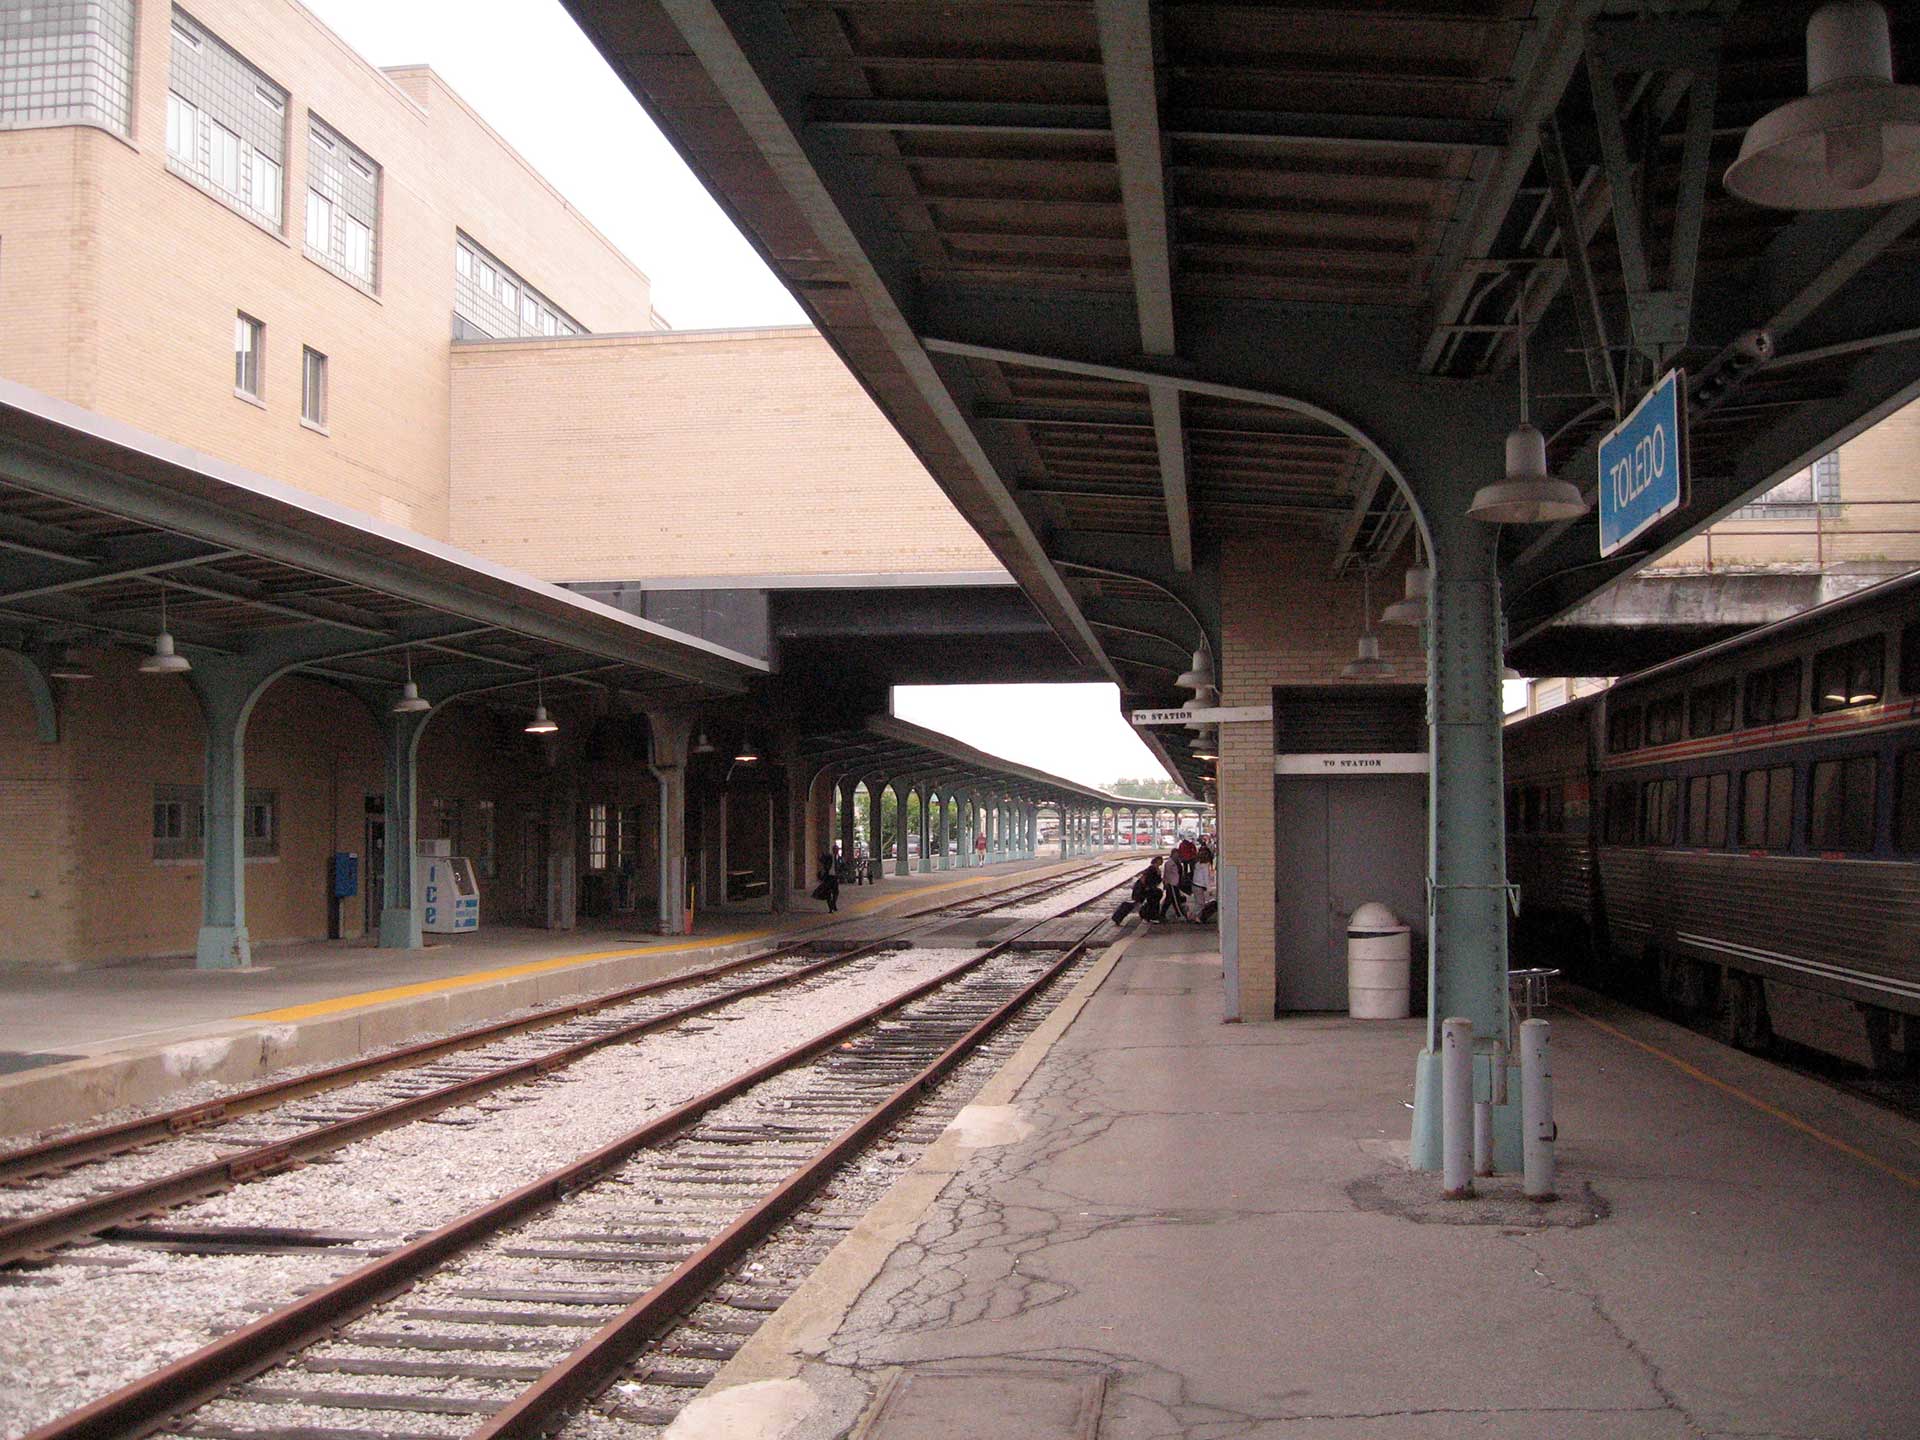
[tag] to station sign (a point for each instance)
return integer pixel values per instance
(1643, 464)
(1211, 715)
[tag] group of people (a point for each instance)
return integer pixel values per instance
(836, 869)
(1174, 886)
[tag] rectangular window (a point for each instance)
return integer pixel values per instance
(548, 324)
(1840, 809)
(509, 294)
(177, 825)
(597, 836)
(1849, 674)
(1707, 811)
(489, 278)
(349, 181)
(313, 387)
(260, 823)
(67, 62)
(263, 186)
(1710, 709)
(1621, 827)
(249, 346)
(1773, 694)
(226, 124)
(1623, 729)
(463, 262)
(183, 129)
(1906, 799)
(489, 299)
(319, 221)
(223, 157)
(1766, 808)
(1659, 799)
(1664, 718)
(530, 313)
(359, 251)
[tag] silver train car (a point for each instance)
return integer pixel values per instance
(1735, 835)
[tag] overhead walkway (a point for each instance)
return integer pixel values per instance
(1153, 1224)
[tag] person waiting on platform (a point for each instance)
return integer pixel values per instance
(1203, 901)
(980, 846)
(1150, 891)
(829, 887)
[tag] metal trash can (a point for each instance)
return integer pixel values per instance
(1379, 964)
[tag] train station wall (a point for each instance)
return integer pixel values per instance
(124, 278)
(1281, 625)
(689, 455)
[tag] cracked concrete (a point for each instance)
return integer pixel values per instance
(1178, 1221)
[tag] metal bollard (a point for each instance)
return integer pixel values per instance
(1482, 1137)
(1536, 1110)
(1456, 1107)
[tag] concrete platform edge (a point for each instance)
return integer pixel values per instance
(779, 1348)
(238, 1052)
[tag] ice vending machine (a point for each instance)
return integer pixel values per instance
(449, 893)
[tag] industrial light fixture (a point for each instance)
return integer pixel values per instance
(704, 746)
(1853, 141)
(1413, 609)
(163, 660)
(1529, 495)
(411, 702)
(68, 665)
(747, 753)
(541, 723)
(1199, 676)
(1366, 663)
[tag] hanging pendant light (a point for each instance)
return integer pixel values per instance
(1199, 676)
(163, 660)
(1366, 663)
(704, 746)
(411, 702)
(1413, 609)
(69, 666)
(747, 753)
(541, 723)
(1853, 141)
(1529, 495)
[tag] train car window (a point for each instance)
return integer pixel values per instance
(1910, 659)
(1773, 694)
(1710, 709)
(1849, 674)
(1623, 729)
(1766, 808)
(1659, 799)
(1841, 814)
(1556, 817)
(1664, 719)
(1906, 815)
(1707, 810)
(1621, 827)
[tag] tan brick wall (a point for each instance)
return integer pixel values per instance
(121, 281)
(1282, 625)
(689, 454)
(78, 881)
(1879, 466)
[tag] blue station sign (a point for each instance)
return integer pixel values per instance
(1643, 464)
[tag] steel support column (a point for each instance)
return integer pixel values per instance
(849, 789)
(226, 691)
(1467, 870)
(876, 793)
(902, 802)
(400, 917)
(667, 737)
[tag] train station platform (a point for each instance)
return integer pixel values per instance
(79, 1044)
(1155, 1224)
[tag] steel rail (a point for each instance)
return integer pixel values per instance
(600, 1360)
(108, 1140)
(161, 1397)
(32, 1235)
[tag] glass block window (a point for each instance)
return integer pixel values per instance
(1795, 498)
(343, 206)
(491, 302)
(67, 63)
(226, 125)
(249, 355)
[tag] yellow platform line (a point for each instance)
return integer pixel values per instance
(317, 1008)
(1814, 1132)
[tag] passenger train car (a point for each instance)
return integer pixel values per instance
(1737, 832)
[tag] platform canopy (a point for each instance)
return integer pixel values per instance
(98, 521)
(1131, 277)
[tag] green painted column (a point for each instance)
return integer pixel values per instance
(400, 912)
(1467, 874)
(226, 692)
(926, 831)
(901, 864)
(667, 740)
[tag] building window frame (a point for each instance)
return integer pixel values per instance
(226, 125)
(178, 830)
(249, 357)
(350, 182)
(260, 824)
(313, 388)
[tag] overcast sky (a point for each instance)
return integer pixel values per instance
(531, 74)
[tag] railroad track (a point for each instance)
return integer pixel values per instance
(509, 1317)
(264, 1130)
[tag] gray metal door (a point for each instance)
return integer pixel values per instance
(1300, 815)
